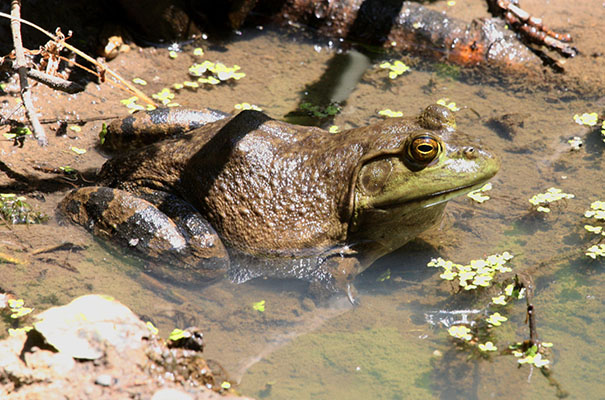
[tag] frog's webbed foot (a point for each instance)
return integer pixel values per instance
(533, 28)
(182, 239)
(337, 276)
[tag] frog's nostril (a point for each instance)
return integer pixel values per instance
(470, 153)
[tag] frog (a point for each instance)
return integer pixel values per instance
(202, 194)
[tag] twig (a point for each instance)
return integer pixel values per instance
(88, 58)
(21, 67)
(54, 82)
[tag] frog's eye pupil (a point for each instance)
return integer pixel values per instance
(423, 149)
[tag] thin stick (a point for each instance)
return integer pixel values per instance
(85, 56)
(21, 67)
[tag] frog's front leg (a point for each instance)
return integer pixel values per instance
(184, 240)
(337, 273)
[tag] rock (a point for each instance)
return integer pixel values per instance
(119, 358)
(85, 326)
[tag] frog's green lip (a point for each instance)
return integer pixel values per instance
(436, 198)
(447, 195)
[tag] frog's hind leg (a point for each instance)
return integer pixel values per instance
(146, 127)
(186, 250)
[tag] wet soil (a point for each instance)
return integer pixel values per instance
(385, 347)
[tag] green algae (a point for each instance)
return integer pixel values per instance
(377, 363)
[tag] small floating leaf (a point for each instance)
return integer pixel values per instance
(152, 328)
(178, 334)
(488, 346)
(78, 150)
(259, 306)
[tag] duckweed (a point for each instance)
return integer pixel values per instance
(542, 200)
(488, 346)
(218, 71)
(17, 132)
(77, 150)
(387, 112)
(320, 112)
(247, 106)
(395, 69)
(460, 332)
(152, 328)
(476, 273)
(576, 143)
(15, 210)
(598, 250)
(178, 334)
(18, 309)
(446, 103)
(496, 319)
(588, 119)
(478, 195)
(259, 306)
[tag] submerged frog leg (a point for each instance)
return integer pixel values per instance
(146, 127)
(188, 254)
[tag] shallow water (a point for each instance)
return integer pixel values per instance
(384, 348)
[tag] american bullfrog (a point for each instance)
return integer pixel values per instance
(246, 195)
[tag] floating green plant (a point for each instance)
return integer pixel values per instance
(460, 332)
(165, 96)
(15, 210)
(387, 112)
(247, 106)
(541, 201)
(446, 103)
(395, 69)
(479, 195)
(259, 306)
(132, 105)
(576, 143)
(496, 319)
(18, 309)
(533, 354)
(320, 112)
(178, 334)
(218, 71)
(17, 132)
(598, 250)
(476, 273)
(588, 119)
(78, 150)
(152, 328)
(488, 346)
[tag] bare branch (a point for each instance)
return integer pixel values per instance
(21, 66)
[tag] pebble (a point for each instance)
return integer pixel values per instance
(104, 380)
(170, 394)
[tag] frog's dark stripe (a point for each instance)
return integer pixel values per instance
(129, 221)
(147, 127)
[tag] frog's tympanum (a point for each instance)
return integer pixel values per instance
(250, 196)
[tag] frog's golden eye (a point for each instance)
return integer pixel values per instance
(423, 149)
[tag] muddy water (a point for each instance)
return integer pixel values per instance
(385, 348)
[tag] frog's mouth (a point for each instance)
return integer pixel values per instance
(446, 195)
(433, 199)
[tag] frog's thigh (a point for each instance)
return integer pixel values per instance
(132, 222)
